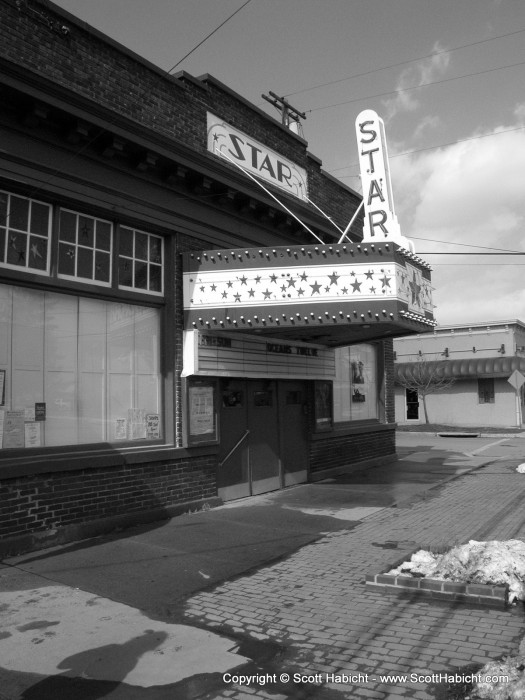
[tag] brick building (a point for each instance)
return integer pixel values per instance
(179, 321)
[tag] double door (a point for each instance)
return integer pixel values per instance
(263, 433)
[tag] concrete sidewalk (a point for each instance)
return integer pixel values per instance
(268, 586)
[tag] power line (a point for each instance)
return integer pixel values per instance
(208, 36)
(464, 245)
(473, 252)
(431, 148)
(403, 63)
(414, 87)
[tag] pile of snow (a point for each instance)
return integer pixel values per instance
(521, 468)
(476, 562)
(512, 669)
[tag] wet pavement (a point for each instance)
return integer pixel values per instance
(165, 611)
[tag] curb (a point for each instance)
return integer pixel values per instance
(492, 595)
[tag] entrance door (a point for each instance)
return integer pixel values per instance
(293, 431)
(233, 477)
(264, 437)
(412, 401)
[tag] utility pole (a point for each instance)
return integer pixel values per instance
(290, 116)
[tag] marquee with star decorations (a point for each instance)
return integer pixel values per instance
(328, 294)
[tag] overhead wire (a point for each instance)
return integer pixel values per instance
(402, 63)
(431, 148)
(414, 87)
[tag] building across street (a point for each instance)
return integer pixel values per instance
(485, 360)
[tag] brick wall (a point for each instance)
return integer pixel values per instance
(346, 450)
(47, 503)
(390, 408)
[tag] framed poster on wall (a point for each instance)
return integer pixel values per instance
(202, 411)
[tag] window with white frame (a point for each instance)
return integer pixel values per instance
(25, 227)
(84, 248)
(77, 370)
(140, 262)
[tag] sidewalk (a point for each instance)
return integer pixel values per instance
(268, 586)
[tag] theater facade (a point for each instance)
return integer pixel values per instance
(182, 321)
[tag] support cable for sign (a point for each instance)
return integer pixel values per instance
(223, 155)
(354, 217)
(324, 214)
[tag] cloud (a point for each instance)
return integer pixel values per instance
(420, 74)
(519, 112)
(469, 193)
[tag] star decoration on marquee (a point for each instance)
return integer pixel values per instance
(254, 286)
(415, 290)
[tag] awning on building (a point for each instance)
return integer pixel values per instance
(461, 369)
(326, 294)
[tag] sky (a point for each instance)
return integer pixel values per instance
(446, 76)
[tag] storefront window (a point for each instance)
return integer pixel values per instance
(355, 386)
(24, 233)
(140, 261)
(85, 247)
(76, 370)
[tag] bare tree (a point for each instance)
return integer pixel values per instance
(424, 377)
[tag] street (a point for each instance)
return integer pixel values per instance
(228, 603)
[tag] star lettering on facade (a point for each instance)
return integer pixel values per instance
(344, 290)
(283, 288)
(315, 288)
(300, 292)
(251, 292)
(303, 277)
(273, 278)
(230, 284)
(372, 290)
(267, 294)
(385, 281)
(202, 289)
(243, 279)
(213, 287)
(237, 297)
(333, 278)
(369, 274)
(224, 295)
(327, 289)
(291, 282)
(356, 286)
(257, 280)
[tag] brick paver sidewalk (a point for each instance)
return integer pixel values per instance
(316, 606)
